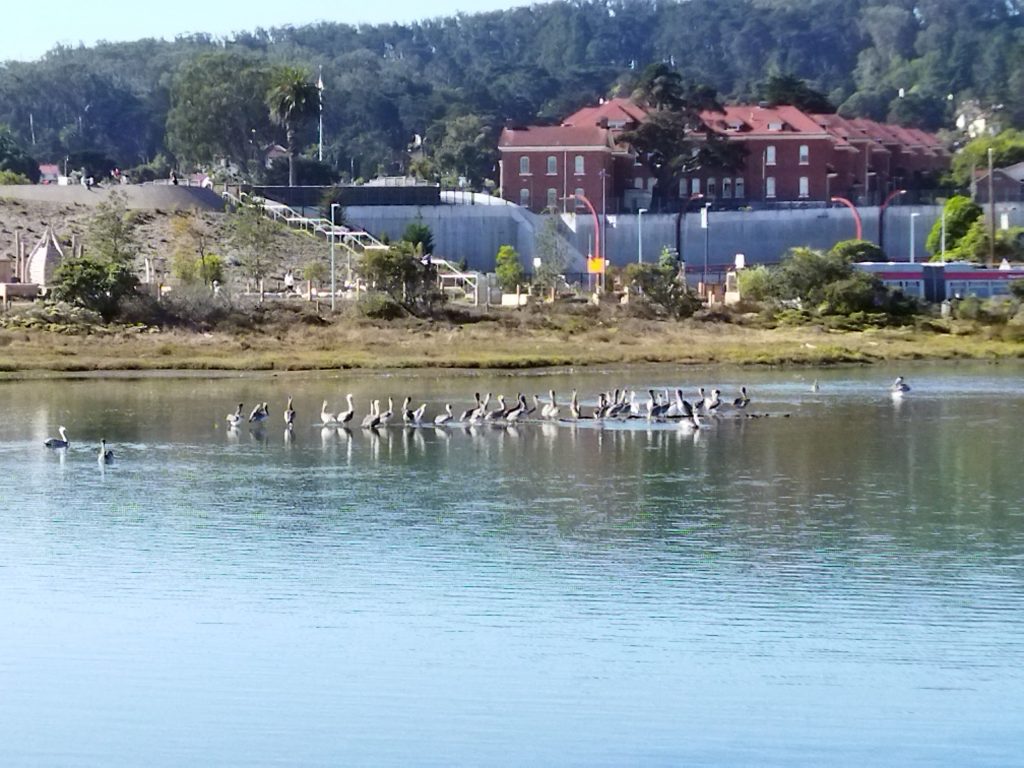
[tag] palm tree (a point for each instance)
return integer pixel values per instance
(292, 99)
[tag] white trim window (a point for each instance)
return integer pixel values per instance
(578, 165)
(524, 166)
(739, 192)
(712, 186)
(524, 198)
(552, 197)
(805, 155)
(578, 197)
(769, 187)
(638, 183)
(805, 188)
(695, 186)
(769, 155)
(727, 187)
(552, 165)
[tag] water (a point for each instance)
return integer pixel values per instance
(837, 583)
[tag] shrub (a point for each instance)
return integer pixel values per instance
(663, 287)
(756, 283)
(508, 268)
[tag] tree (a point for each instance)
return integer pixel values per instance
(217, 110)
(857, 250)
(1007, 149)
(292, 99)
(16, 160)
(404, 275)
(508, 268)
(419, 236)
(674, 140)
(255, 238)
(959, 213)
(14, 178)
(791, 90)
(103, 275)
(191, 239)
(466, 149)
(664, 287)
(553, 254)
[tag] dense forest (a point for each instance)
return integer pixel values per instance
(455, 81)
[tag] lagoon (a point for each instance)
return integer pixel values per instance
(840, 582)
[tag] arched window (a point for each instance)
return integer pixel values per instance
(552, 165)
(579, 165)
(524, 166)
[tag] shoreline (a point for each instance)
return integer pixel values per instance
(479, 348)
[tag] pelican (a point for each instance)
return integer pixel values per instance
(468, 413)
(372, 419)
(326, 417)
(417, 415)
(105, 456)
(289, 414)
(384, 418)
(345, 416)
(517, 411)
(481, 410)
(408, 417)
(814, 386)
(499, 412)
(444, 418)
(234, 419)
(743, 400)
(550, 411)
(712, 402)
(58, 442)
(574, 406)
(259, 414)
(899, 386)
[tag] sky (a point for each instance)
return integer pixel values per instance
(27, 34)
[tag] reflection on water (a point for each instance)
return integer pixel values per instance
(835, 582)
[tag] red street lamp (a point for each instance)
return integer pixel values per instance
(856, 214)
(881, 215)
(598, 253)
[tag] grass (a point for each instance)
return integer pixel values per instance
(512, 343)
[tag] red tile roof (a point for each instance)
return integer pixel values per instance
(617, 112)
(555, 136)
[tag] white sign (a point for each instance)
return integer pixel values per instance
(1004, 221)
(704, 217)
(741, 261)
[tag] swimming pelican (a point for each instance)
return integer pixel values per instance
(326, 417)
(468, 413)
(384, 418)
(497, 413)
(574, 406)
(550, 411)
(417, 415)
(58, 442)
(814, 386)
(444, 418)
(289, 413)
(741, 401)
(372, 419)
(517, 411)
(234, 419)
(899, 386)
(712, 402)
(407, 413)
(105, 456)
(259, 414)
(345, 416)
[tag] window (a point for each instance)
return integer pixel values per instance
(638, 183)
(579, 197)
(650, 183)
(805, 155)
(524, 197)
(769, 187)
(694, 186)
(712, 187)
(552, 165)
(805, 187)
(524, 166)
(769, 155)
(726, 187)
(739, 192)
(579, 165)
(552, 198)
(682, 187)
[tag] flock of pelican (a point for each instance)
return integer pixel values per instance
(618, 405)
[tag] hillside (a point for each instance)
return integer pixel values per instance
(916, 63)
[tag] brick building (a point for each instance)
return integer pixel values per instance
(791, 158)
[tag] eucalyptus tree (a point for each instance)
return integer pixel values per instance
(292, 100)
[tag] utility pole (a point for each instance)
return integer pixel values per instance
(991, 214)
(640, 235)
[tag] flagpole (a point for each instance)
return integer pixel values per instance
(320, 88)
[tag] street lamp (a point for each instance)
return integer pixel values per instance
(856, 215)
(881, 215)
(334, 290)
(640, 235)
(912, 217)
(679, 222)
(705, 222)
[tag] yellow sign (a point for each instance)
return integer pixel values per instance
(595, 265)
